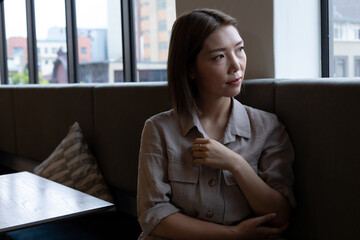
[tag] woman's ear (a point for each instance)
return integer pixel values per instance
(192, 73)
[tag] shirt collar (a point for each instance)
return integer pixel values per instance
(238, 125)
(188, 122)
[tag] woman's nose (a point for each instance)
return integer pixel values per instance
(235, 64)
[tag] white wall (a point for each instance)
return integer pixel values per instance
(297, 38)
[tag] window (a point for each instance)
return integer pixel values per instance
(83, 50)
(357, 66)
(16, 39)
(162, 26)
(99, 40)
(82, 41)
(18, 51)
(163, 46)
(344, 43)
(161, 4)
(341, 66)
(152, 37)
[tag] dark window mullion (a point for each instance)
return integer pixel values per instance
(326, 39)
(71, 37)
(3, 50)
(128, 35)
(31, 39)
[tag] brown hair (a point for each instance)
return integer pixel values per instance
(187, 38)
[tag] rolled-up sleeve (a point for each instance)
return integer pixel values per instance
(154, 190)
(275, 164)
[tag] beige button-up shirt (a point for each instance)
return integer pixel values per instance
(169, 181)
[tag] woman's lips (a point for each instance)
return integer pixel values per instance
(237, 81)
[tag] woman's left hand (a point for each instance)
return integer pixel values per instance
(211, 153)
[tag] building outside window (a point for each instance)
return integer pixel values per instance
(100, 41)
(341, 66)
(357, 66)
(153, 22)
(346, 37)
(52, 61)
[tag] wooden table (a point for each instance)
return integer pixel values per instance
(27, 200)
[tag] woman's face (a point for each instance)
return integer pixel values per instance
(220, 65)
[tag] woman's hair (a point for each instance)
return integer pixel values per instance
(187, 38)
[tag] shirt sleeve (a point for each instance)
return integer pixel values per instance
(275, 164)
(154, 190)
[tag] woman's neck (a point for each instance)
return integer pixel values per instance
(214, 116)
(214, 108)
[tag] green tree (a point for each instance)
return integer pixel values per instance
(19, 78)
(23, 78)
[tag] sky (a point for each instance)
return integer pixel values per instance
(90, 13)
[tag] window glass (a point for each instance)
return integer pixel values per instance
(16, 38)
(99, 41)
(346, 37)
(51, 41)
(153, 23)
(341, 66)
(357, 66)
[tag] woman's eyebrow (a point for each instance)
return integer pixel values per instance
(239, 43)
(223, 48)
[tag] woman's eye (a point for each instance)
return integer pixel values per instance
(218, 57)
(240, 49)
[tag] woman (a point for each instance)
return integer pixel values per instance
(211, 168)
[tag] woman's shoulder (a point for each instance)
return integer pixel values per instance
(162, 116)
(259, 116)
(164, 123)
(163, 119)
(259, 112)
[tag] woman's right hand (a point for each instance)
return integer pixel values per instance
(256, 228)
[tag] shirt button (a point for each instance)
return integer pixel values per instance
(212, 182)
(210, 214)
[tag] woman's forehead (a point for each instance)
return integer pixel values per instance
(224, 36)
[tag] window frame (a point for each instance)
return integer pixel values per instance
(327, 49)
(31, 42)
(3, 51)
(71, 41)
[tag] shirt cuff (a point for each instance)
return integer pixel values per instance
(152, 217)
(288, 193)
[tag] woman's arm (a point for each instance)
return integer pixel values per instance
(261, 197)
(180, 226)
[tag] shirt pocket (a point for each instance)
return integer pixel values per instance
(229, 177)
(253, 161)
(183, 180)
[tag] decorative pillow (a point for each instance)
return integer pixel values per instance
(73, 165)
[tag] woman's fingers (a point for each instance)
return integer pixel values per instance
(265, 218)
(257, 228)
(200, 144)
(201, 140)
